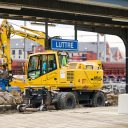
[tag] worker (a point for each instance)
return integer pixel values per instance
(64, 60)
(44, 67)
(54, 65)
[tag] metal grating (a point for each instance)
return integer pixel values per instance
(70, 76)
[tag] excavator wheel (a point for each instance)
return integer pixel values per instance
(98, 99)
(66, 100)
(57, 103)
(21, 108)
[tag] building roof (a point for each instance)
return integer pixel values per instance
(116, 54)
(114, 49)
(92, 46)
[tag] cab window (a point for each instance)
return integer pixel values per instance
(44, 64)
(34, 67)
(63, 60)
(51, 62)
(89, 67)
(40, 65)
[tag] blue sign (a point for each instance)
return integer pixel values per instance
(62, 44)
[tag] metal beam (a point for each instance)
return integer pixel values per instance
(11, 4)
(119, 4)
(65, 12)
(100, 29)
(70, 18)
(74, 8)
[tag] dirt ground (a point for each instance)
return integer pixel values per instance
(105, 117)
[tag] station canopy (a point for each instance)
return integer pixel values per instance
(99, 13)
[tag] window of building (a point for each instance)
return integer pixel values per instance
(13, 52)
(20, 52)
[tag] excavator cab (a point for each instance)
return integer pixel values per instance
(42, 67)
(44, 63)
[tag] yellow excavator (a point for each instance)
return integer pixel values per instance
(50, 79)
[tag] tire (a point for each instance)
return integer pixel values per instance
(57, 104)
(66, 100)
(43, 108)
(98, 99)
(21, 108)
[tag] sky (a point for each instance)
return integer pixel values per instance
(67, 32)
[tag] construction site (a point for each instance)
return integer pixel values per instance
(60, 66)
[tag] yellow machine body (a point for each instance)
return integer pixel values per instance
(86, 75)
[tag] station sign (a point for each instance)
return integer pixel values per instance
(64, 44)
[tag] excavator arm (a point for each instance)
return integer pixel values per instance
(5, 58)
(5, 32)
(36, 36)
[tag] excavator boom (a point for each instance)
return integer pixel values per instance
(6, 30)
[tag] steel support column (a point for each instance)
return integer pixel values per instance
(46, 32)
(124, 36)
(75, 29)
(126, 45)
